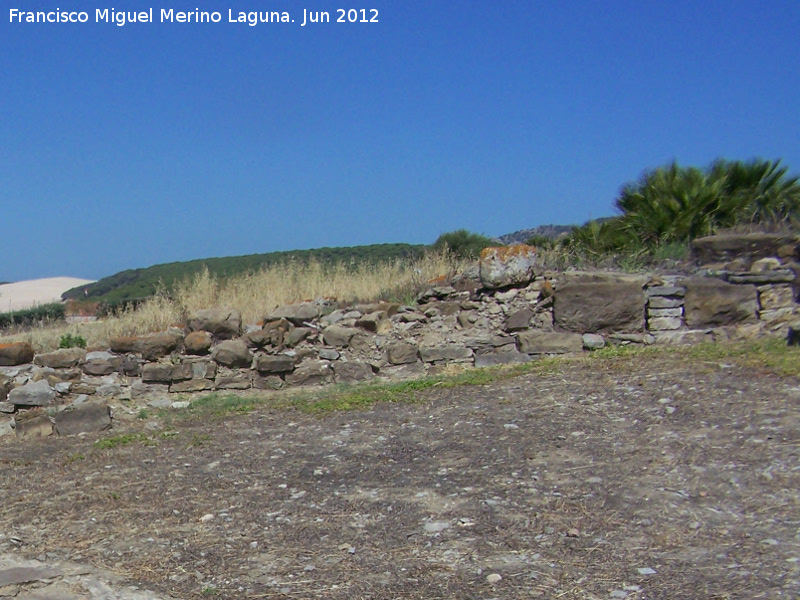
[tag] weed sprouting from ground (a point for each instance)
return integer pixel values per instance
(117, 441)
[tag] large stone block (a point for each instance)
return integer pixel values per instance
(445, 352)
(222, 323)
(275, 364)
(298, 314)
(125, 344)
(192, 385)
(346, 372)
(500, 356)
(518, 320)
(267, 382)
(237, 381)
(37, 393)
(204, 369)
(765, 277)
(16, 353)
(748, 246)
(82, 418)
(665, 323)
(101, 363)
(507, 265)
(402, 353)
(182, 372)
(549, 342)
(338, 336)
(713, 303)
(600, 305)
(61, 359)
(158, 345)
(664, 302)
(33, 424)
(232, 353)
(297, 336)
(311, 373)
(157, 373)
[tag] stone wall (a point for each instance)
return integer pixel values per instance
(502, 314)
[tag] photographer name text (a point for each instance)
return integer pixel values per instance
(169, 15)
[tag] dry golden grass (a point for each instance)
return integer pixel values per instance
(254, 295)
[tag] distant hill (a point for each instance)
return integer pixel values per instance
(135, 284)
(523, 235)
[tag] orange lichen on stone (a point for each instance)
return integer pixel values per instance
(442, 279)
(506, 252)
(14, 345)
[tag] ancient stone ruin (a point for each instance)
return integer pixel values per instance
(504, 312)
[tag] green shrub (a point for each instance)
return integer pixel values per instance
(39, 314)
(463, 243)
(672, 205)
(542, 242)
(72, 341)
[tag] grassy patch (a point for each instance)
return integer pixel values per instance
(762, 356)
(771, 356)
(611, 351)
(75, 457)
(363, 396)
(117, 441)
(224, 404)
(199, 440)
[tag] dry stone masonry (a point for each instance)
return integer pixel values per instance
(501, 313)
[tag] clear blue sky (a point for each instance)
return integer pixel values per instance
(129, 146)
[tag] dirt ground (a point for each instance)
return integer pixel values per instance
(644, 477)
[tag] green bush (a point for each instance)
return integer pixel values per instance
(39, 314)
(674, 205)
(72, 341)
(463, 243)
(542, 242)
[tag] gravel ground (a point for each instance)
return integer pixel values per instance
(651, 476)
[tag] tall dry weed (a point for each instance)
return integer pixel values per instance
(255, 295)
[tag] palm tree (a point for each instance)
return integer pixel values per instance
(679, 204)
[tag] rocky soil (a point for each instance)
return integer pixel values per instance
(640, 477)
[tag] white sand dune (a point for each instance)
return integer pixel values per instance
(26, 294)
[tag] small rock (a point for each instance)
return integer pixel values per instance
(493, 578)
(770, 542)
(206, 518)
(646, 571)
(329, 354)
(436, 526)
(574, 532)
(593, 341)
